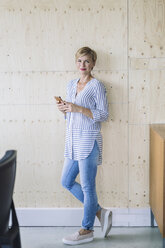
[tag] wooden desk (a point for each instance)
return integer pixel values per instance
(157, 176)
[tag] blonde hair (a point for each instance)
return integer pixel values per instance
(86, 51)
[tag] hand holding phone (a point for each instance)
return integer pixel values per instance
(58, 98)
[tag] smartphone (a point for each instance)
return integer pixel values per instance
(58, 98)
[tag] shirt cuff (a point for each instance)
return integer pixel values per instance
(99, 115)
(96, 115)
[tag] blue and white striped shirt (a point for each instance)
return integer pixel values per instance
(82, 131)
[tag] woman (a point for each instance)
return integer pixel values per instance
(85, 108)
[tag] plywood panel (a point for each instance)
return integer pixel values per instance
(139, 144)
(146, 28)
(146, 89)
(147, 64)
(44, 35)
(34, 132)
(35, 125)
(157, 99)
(32, 88)
(26, 88)
(138, 165)
(138, 186)
(115, 159)
(146, 97)
(139, 97)
(116, 85)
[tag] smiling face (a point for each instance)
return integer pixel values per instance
(85, 64)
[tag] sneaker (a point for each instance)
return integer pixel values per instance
(106, 221)
(76, 238)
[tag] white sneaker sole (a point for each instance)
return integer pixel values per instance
(107, 223)
(78, 242)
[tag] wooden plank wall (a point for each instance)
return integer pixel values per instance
(146, 71)
(38, 40)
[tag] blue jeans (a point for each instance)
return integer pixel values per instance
(86, 192)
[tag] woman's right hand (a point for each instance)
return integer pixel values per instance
(61, 106)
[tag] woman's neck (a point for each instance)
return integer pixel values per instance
(85, 78)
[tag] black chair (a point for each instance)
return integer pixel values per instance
(9, 236)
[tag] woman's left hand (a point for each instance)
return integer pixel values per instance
(70, 107)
